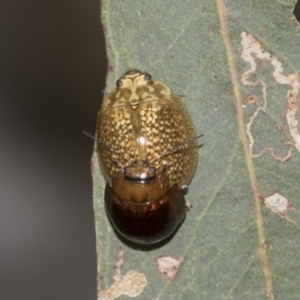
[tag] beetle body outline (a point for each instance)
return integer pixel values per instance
(148, 154)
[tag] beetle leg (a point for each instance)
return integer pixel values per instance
(184, 188)
(188, 207)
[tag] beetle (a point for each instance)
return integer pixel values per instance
(148, 151)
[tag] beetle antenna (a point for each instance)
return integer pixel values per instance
(117, 163)
(181, 146)
(101, 143)
(114, 159)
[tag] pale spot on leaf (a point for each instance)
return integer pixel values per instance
(279, 204)
(131, 284)
(168, 267)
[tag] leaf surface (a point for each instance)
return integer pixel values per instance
(231, 245)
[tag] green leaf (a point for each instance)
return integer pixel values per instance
(231, 245)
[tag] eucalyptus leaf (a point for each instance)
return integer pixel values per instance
(231, 244)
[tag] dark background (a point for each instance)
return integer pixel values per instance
(52, 74)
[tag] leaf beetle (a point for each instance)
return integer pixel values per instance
(148, 151)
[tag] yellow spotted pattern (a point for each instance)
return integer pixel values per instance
(142, 120)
